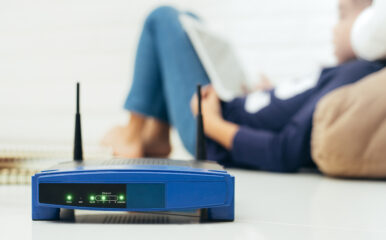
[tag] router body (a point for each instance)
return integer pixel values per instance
(141, 185)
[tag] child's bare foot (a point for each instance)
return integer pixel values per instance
(123, 143)
(126, 141)
(142, 137)
(156, 139)
(157, 148)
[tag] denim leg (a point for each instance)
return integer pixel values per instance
(146, 95)
(181, 71)
(172, 70)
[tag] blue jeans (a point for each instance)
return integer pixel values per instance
(167, 71)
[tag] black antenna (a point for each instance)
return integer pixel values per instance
(78, 149)
(200, 137)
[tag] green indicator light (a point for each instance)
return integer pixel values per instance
(69, 197)
(92, 198)
(121, 197)
(103, 198)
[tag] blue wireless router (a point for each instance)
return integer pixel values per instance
(140, 185)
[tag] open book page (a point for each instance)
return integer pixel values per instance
(219, 59)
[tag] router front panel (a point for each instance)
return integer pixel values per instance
(83, 194)
(121, 190)
(95, 195)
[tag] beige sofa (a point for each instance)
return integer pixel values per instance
(349, 130)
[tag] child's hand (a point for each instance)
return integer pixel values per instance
(210, 104)
(264, 84)
(215, 126)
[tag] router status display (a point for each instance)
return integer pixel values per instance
(87, 195)
(101, 195)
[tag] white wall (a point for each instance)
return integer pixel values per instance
(45, 46)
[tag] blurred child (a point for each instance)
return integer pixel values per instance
(275, 137)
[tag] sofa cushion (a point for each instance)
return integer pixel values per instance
(349, 130)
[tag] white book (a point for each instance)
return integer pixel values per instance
(219, 59)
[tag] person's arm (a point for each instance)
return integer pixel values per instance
(282, 151)
(221, 131)
(215, 126)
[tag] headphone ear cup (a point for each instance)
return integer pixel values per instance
(368, 36)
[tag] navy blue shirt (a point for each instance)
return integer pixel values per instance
(277, 138)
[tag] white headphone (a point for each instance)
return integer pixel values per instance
(368, 36)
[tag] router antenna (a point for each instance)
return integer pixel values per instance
(78, 149)
(200, 137)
